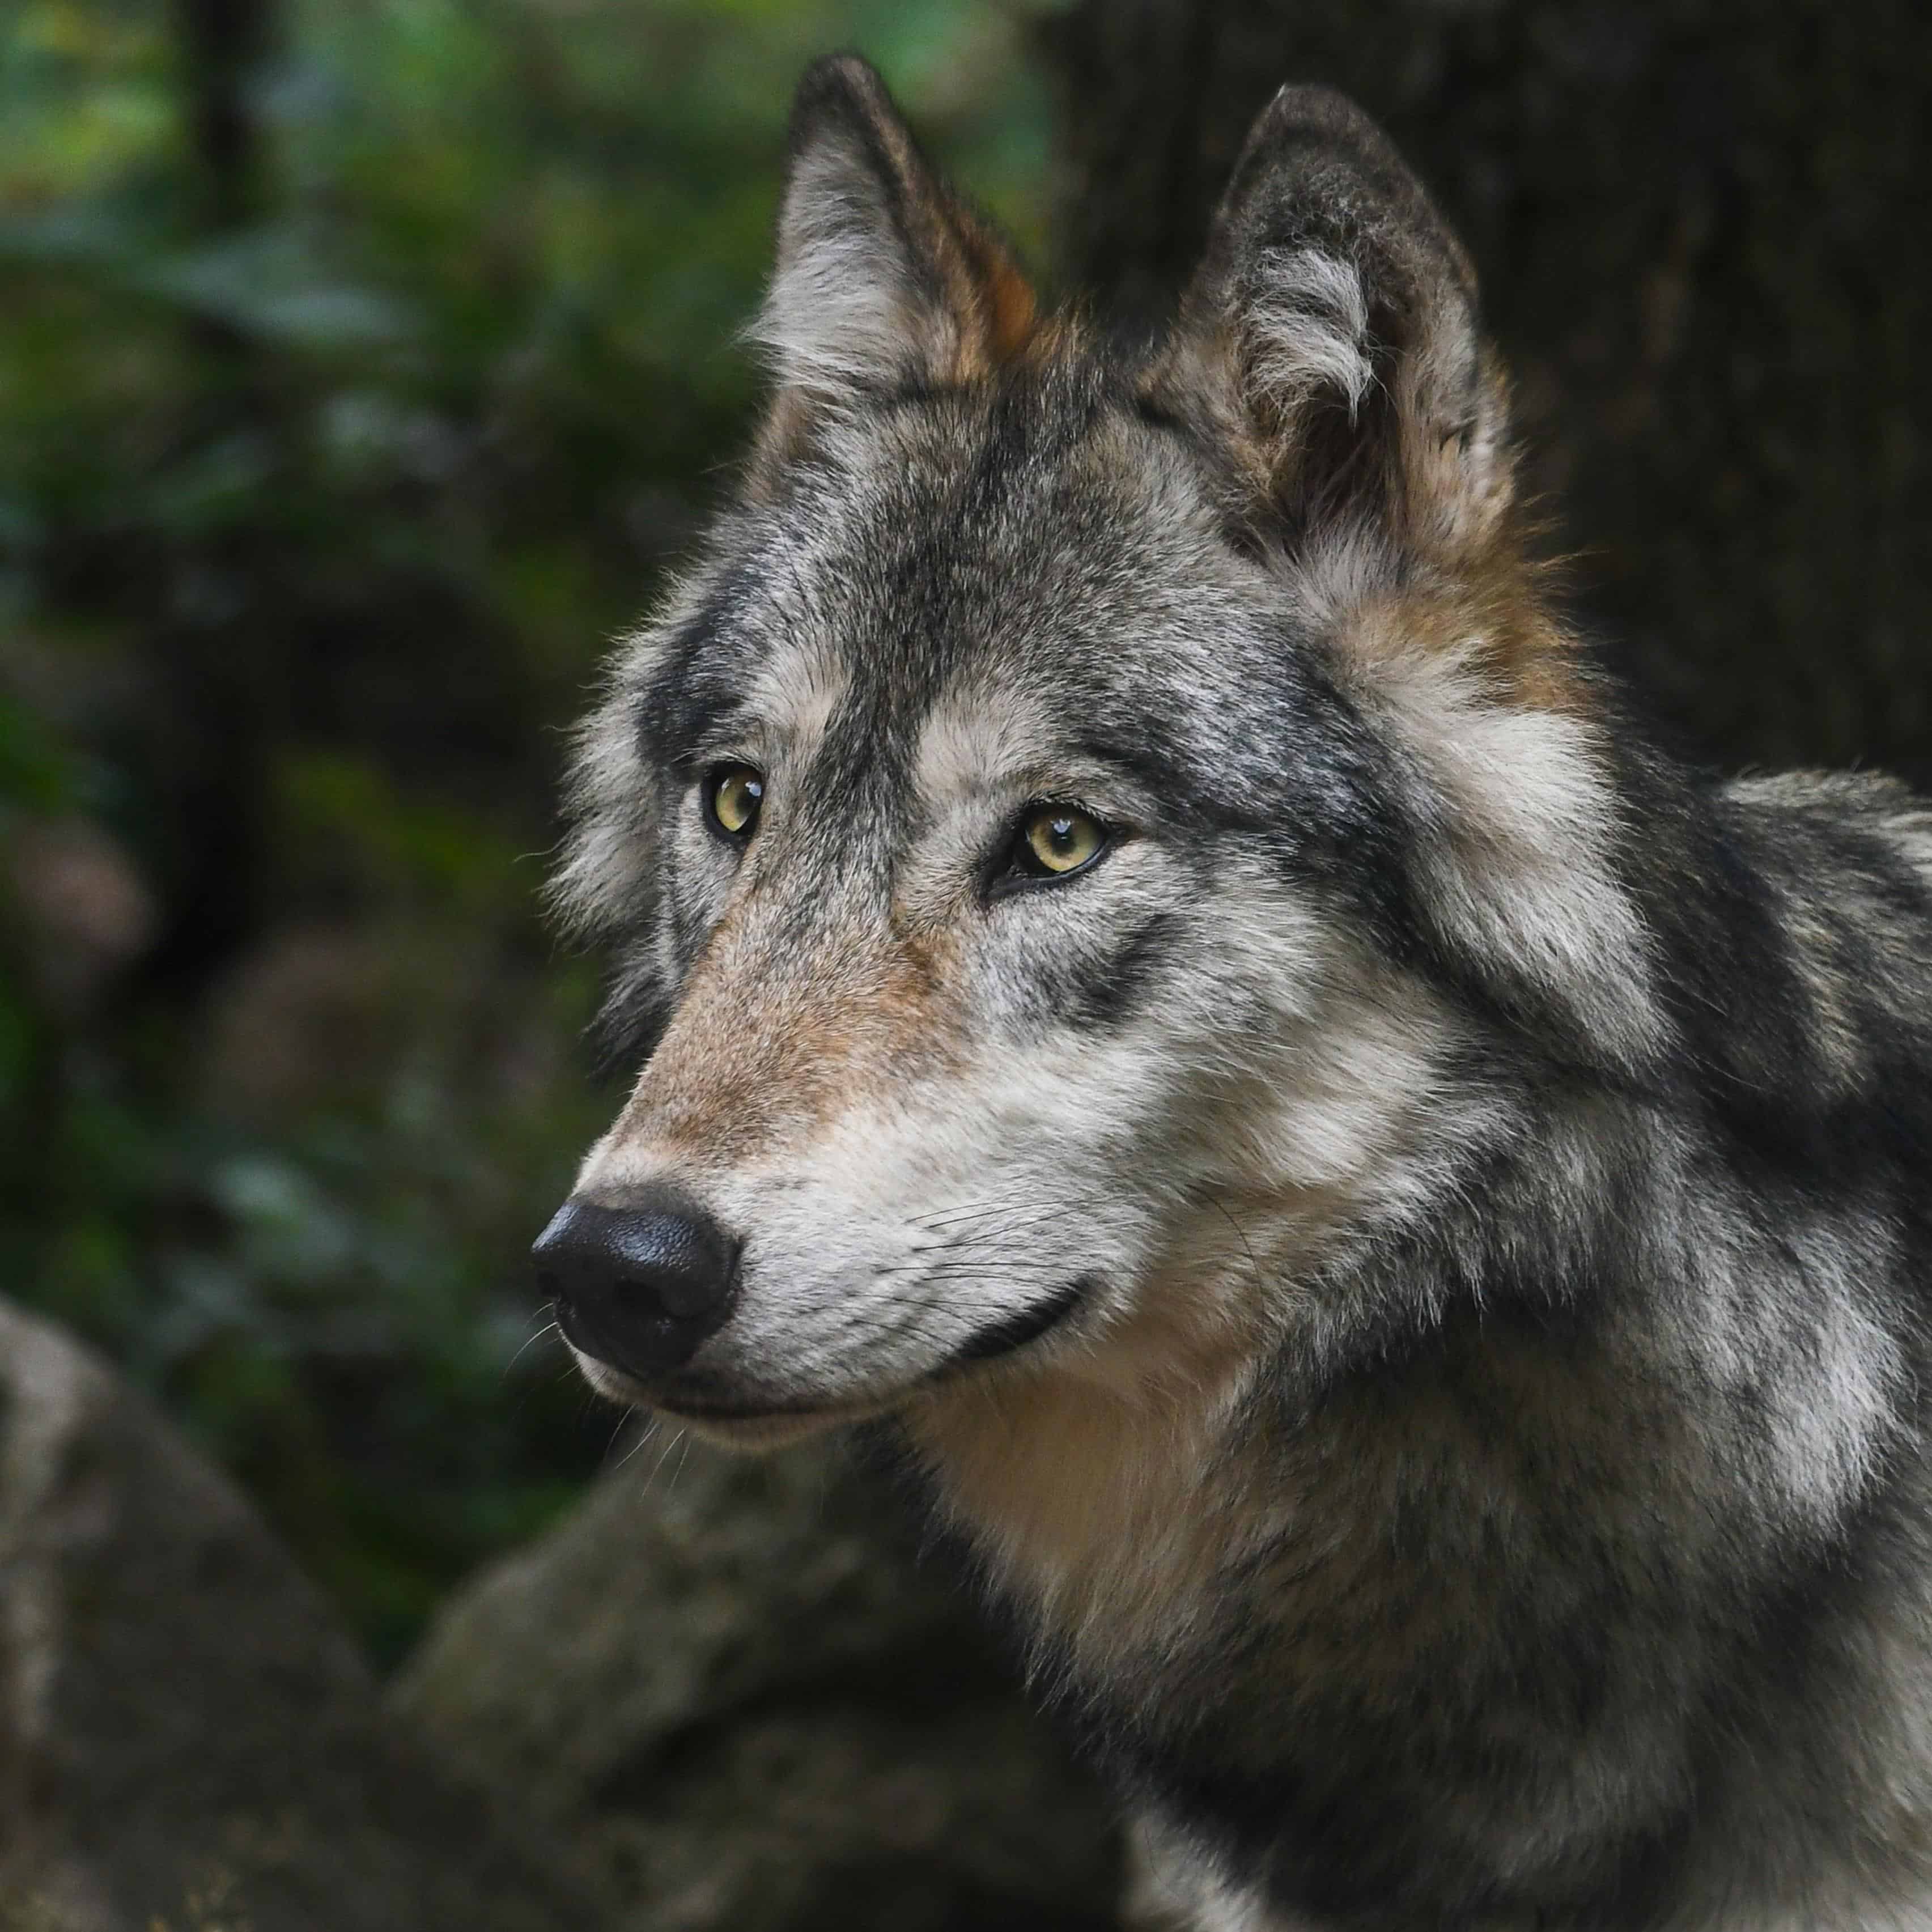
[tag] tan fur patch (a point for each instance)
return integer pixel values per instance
(992, 299)
(1490, 611)
(736, 1077)
(1116, 1537)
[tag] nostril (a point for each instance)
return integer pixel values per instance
(642, 1284)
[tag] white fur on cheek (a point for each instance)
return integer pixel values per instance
(609, 869)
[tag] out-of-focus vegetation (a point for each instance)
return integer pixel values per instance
(361, 363)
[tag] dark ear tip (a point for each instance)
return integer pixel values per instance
(1318, 104)
(1309, 114)
(1328, 159)
(841, 86)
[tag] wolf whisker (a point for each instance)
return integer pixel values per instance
(529, 1342)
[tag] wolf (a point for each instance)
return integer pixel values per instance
(1389, 1218)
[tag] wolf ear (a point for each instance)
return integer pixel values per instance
(883, 275)
(1329, 336)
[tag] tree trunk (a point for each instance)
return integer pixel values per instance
(1701, 231)
(217, 641)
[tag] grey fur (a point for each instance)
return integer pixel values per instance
(1408, 1277)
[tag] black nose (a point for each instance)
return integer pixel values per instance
(638, 1287)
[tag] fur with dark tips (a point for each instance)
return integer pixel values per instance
(1408, 1273)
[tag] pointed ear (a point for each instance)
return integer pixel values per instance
(1329, 336)
(883, 275)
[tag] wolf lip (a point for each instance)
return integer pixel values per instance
(987, 1344)
(721, 1411)
(1002, 1338)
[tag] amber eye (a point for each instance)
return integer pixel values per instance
(1057, 839)
(732, 795)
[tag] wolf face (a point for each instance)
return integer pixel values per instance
(1081, 978)
(1394, 1221)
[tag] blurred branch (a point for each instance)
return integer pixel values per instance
(223, 44)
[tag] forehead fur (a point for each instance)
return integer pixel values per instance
(936, 583)
(1036, 527)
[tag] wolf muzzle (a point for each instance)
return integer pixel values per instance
(641, 1286)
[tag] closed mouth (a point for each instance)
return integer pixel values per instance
(1015, 1331)
(683, 1411)
(987, 1344)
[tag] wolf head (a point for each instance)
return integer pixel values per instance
(1072, 836)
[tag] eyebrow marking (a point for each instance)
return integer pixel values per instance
(727, 684)
(1154, 770)
(980, 741)
(970, 735)
(796, 693)
(689, 690)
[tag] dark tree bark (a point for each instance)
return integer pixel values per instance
(1702, 233)
(222, 43)
(206, 750)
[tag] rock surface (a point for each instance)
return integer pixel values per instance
(188, 1742)
(726, 1681)
(720, 1696)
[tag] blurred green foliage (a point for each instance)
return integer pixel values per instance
(361, 363)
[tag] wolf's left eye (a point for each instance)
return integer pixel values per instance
(733, 794)
(1057, 840)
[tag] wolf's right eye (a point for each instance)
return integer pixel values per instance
(1053, 842)
(733, 794)
(1060, 838)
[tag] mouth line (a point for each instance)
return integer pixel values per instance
(1015, 1331)
(988, 1344)
(688, 1412)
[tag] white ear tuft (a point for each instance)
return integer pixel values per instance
(1330, 332)
(1309, 316)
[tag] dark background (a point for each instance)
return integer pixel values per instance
(362, 363)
